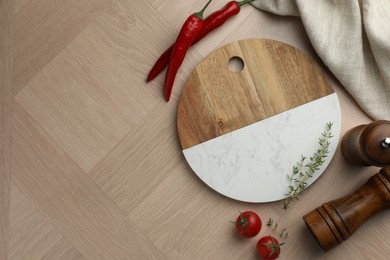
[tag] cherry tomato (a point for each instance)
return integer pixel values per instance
(268, 247)
(248, 224)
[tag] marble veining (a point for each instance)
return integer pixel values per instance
(251, 164)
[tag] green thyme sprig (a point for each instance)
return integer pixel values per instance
(274, 227)
(303, 170)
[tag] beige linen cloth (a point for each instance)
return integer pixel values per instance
(352, 37)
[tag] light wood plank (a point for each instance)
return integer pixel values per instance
(128, 173)
(63, 250)
(95, 143)
(6, 81)
(71, 201)
(32, 236)
(43, 28)
(19, 4)
(95, 90)
(135, 153)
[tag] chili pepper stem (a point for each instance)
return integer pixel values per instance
(241, 3)
(200, 13)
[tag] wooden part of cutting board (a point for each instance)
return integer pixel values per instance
(276, 77)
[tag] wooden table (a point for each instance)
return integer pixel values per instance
(95, 168)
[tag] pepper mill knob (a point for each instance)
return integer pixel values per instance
(368, 145)
(335, 221)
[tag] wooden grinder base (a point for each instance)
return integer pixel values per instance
(337, 220)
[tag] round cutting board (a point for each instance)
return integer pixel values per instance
(242, 129)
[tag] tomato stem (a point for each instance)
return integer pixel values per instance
(274, 247)
(243, 221)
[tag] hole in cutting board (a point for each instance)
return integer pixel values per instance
(236, 64)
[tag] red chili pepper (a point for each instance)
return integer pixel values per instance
(187, 35)
(212, 22)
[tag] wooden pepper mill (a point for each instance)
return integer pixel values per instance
(368, 145)
(337, 220)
